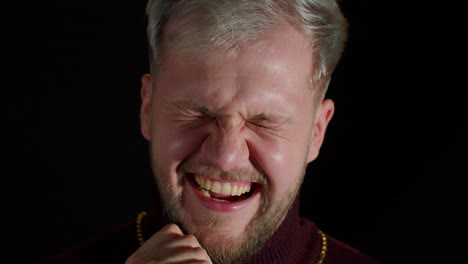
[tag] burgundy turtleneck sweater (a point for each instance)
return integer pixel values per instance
(296, 241)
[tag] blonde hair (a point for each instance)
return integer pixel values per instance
(209, 24)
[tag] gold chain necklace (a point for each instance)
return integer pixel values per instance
(141, 240)
(323, 250)
(140, 216)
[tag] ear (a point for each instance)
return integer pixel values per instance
(145, 111)
(323, 116)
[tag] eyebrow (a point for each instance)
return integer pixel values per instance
(190, 105)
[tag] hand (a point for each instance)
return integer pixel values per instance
(170, 245)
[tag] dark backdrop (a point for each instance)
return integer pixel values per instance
(389, 180)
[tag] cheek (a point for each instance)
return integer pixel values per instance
(173, 142)
(282, 161)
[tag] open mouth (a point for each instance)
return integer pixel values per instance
(224, 191)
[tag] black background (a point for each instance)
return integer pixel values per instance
(389, 179)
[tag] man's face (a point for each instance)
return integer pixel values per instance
(231, 136)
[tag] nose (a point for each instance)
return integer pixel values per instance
(226, 146)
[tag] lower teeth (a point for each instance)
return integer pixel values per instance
(206, 193)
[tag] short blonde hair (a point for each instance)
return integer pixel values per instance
(229, 23)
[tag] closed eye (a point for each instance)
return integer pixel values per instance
(265, 127)
(259, 124)
(268, 122)
(195, 118)
(190, 109)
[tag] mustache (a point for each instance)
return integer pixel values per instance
(202, 168)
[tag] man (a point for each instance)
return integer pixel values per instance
(234, 110)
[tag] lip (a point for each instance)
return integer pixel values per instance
(220, 206)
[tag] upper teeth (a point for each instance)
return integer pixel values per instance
(226, 188)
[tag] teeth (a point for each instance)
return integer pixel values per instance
(234, 191)
(205, 192)
(216, 187)
(202, 181)
(207, 185)
(225, 188)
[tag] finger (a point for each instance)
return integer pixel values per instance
(156, 246)
(170, 245)
(186, 255)
(190, 261)
(168, 233)
(195, 262)
(172, 229)
(184, 241)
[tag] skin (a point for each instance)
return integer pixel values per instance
(252, 110)
(174, 247)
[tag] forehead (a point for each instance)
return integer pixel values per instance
(275, 70)
(282, 48)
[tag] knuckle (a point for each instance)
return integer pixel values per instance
(200, 251)
(171, 228)
(191, 239)
(202, 262)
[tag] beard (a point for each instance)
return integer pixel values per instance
(259, 230)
